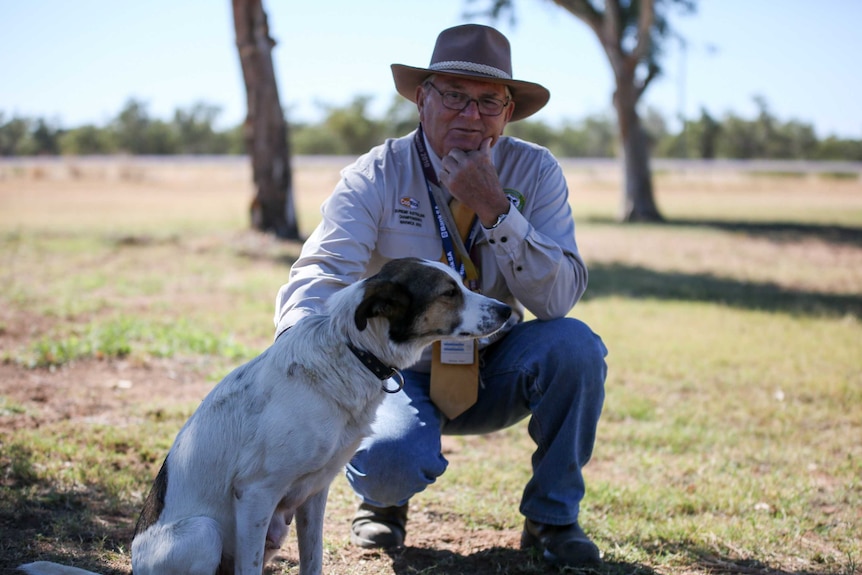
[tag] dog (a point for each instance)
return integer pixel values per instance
(267, 441)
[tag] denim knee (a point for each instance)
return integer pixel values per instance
(389, 472)
(573, 348)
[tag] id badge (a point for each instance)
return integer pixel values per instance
(457, 352)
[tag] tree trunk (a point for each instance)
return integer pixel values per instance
(265, 129)
(611, 28)
(638, 203)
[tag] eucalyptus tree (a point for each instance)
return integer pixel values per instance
(631, 33)
(265, 128)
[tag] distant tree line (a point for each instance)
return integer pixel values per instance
(352, 130)
(132, 131)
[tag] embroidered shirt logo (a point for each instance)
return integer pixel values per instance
(408, 213)
(409, 203)
(515, 197)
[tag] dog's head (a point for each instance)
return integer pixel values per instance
(423, 301)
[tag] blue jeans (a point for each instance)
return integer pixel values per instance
(551, 370)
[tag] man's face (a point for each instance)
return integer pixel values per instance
(448, 129)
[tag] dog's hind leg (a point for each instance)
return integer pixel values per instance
(191, 546)
(309, 533)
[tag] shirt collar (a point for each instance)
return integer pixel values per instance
(436, 162)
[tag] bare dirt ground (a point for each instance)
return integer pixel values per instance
(86, 390)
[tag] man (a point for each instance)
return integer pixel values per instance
(520, 249)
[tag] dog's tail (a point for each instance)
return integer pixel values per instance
(48, 568)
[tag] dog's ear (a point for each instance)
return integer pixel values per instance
(382, 298)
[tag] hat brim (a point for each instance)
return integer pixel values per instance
(529, 97)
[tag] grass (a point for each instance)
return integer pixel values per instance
(730, 439)
(119, 337)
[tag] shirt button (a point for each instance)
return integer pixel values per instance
(492, 241)
(504, 239)
(519, 269)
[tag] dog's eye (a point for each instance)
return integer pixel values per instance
(451, 292)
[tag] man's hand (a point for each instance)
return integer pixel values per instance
(471, 177)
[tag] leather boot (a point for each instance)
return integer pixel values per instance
(379, 527)
(561, 545)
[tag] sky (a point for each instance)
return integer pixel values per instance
(78, 62)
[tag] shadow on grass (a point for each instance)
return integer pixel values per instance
(706, 560)
(412, 560)
(643, 283)
(779, 232)
(714, 564)
(40, 522)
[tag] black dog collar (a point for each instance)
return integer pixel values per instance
(378, 368)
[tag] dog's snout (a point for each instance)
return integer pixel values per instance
(495, 315)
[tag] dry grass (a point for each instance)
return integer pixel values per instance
(729, 441)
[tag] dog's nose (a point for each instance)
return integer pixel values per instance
(502, 311)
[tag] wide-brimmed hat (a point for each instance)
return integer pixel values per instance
(477, 52)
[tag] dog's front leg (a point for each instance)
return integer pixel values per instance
(309, 533)
(253, 511)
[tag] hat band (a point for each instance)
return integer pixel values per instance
(470, 67)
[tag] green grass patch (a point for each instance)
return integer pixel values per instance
(839, 175)
(127, 336)
(779, 174)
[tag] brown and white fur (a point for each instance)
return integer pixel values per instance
(265, 444)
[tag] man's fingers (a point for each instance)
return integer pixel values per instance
(456, 154)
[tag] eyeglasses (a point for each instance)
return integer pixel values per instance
(459, 101)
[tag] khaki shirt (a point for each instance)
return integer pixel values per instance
(380, 210)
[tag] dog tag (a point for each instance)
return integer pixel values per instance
(456, 352)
